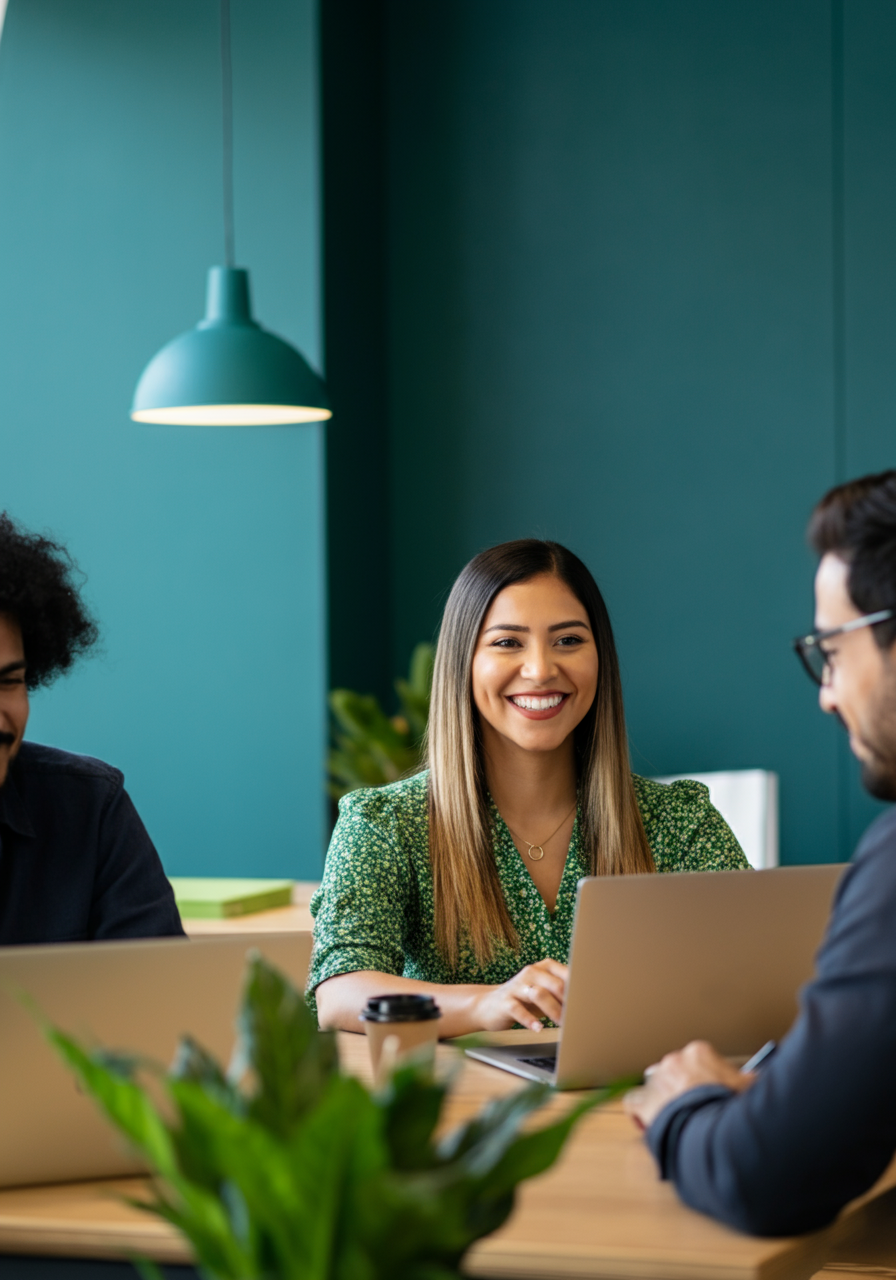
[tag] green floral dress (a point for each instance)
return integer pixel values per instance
(375, 909)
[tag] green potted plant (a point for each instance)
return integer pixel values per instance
(280, 1167)
(371, 748)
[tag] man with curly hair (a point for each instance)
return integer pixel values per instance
(76, 862)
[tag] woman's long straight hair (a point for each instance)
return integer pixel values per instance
(469, 902)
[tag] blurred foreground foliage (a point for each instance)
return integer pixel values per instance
(282, 1168)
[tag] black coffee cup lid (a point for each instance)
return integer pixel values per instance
(401, 1008)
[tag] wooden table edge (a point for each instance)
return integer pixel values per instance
(492, 1258)
(67, 1238)
(489, 1259)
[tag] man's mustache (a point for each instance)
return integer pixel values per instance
(7, 739)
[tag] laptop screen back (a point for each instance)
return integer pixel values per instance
(134, 996)
(660, 960)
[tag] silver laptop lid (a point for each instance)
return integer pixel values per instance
(660, 960)
(135, 996)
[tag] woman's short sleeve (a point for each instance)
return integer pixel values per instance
(685, 830)
(360, 909)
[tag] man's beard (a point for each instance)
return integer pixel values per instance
(879, 772)
(877, 782)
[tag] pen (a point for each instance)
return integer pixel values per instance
(760, 1056)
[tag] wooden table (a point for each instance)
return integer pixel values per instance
(600, 1212)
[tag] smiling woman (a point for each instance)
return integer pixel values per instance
(460, 882)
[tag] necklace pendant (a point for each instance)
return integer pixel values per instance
(536, 857)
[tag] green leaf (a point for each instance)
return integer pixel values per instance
(362, 717)
(201, 1218)
(147, 1269)
(338, 1146)
(502, 1160)
(501, 1115)
(123, 1101)
(292, 1061)
(414, 693)
(254, 1168)
(123, 1065)
(371, 749)
(289, 1192)
(422, 661)
(412, 1103)
(282, 1168)
(352, 768)
(193, 1062)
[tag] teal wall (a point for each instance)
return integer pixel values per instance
(203, 549)
(621, 274)
(641, 298)
(867, 330)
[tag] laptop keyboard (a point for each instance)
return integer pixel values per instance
(546, 1064)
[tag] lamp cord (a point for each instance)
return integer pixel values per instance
(227, 129)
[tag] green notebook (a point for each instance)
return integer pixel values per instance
(207, 897)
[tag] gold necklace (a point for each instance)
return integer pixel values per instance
(540, 847)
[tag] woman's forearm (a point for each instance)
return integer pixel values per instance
(340, 1000)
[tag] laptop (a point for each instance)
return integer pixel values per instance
(136, 996)
(659, 960)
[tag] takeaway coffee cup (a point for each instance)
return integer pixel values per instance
(398, 1026)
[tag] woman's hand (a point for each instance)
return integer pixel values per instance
(536, 992)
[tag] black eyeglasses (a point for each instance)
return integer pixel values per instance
(812, 655)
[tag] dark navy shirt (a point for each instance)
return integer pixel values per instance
(76, 862)
(819, 1125)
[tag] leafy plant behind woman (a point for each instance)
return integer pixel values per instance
(370, 748)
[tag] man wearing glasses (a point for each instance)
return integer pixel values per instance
(782, 1150)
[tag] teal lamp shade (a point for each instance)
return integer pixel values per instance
(228, 371)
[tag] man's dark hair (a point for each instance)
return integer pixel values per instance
(37, 587)
(857, 522)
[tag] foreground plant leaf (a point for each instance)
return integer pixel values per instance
(292, 1060)
(282, 1169)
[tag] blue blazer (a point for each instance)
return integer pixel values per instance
(819, 1126)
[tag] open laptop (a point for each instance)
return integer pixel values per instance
(659, 960)
(134, 996)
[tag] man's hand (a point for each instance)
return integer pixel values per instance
(696, 1064)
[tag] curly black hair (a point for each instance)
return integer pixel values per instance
(38, 588)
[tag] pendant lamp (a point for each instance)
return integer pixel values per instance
(229, 371)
